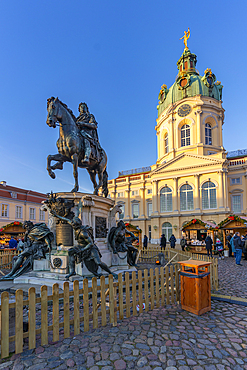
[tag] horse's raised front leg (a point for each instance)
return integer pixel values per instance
(59, 165)
(74, 160)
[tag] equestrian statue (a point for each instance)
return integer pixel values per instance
(78, 143)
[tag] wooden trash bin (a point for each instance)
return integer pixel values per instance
(195, 286)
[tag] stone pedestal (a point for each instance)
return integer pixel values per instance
(60, 263)
(120, 261)
(41, 265)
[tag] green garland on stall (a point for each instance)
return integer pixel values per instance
(194, 221)
(127, 224)
(11, 224)
(231, 218)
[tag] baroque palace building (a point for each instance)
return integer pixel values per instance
(18, 205)
(193, 177)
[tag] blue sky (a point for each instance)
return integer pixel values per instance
(114, 55)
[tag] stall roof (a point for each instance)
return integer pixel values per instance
(206, 224)
(232, 218)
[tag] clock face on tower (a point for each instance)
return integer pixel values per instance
(184, 110)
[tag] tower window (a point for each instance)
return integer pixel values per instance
(185, 135)
(166, 143)
(208, 134)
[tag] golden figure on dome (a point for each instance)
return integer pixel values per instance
(186, 37)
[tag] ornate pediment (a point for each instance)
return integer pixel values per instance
(186, 161)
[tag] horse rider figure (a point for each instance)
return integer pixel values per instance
(88, 129)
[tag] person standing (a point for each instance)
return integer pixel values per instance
(183, 243)
(145, 243)
(209, 243)
(233, 247)
(228, 238)
(172, 241)
(238, 244)
(163, 242)
(219, 248)
(12, 243)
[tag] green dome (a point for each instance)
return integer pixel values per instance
(189, 83)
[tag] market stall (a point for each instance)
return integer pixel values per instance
(195, 233)
(231, 225)
(137, 232)
(14, 229)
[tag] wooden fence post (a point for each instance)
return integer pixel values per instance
(177, 283)
(55, 298)
(162, 282)
(18, 321)
(76, 308)
(32, 318)
(140, 290)
(146, 295)
(111, 299)
(103, 300)
(134, 292)
(127, 292)
(120, 296)
(94, 301)
(157, 286)
(151, 277)
(167, 285)
(4, 324)
(66, 309)
(44, 316)
(86, 304)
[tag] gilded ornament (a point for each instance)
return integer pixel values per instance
(186, 37)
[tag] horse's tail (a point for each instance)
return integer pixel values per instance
(105, 183)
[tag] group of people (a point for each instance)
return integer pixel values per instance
(237, 246)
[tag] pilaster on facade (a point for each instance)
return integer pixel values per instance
(175, 195)
(197, 193)
(198, 114)
(155, 198)
(221, 189)
(142, 203)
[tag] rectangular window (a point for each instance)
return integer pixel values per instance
(5, 210)
(120, 195)
(18, 212)
(134, 192)
(32, 213)
(150, 209)
(41, 215)
(135, 210)
(121, 215)
(236, 203)
(235, 181)
(150, 191)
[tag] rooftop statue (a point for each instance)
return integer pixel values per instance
(78, 143)
(186, 37)
(37, 242)
(86, 251)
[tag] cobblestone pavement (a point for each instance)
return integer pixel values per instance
(165, 338)
(232, 278)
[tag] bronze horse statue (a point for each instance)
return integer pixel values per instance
(71, 149)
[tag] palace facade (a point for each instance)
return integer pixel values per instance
(18, 205)
(194, 176)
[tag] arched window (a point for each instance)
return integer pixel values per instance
(167, 230)
(186, 198)
(185, 135)
(166, 200)
(208, 134)
(209, 195)
(166, 143)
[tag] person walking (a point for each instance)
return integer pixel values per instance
(145, 243)
(172, 241)
(183, 243)
(233, 247)
(163, 242)
(228, 238)
(238, 244)
(219, 248)
(209, 243)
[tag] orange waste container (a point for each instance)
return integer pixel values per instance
(195, 286)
